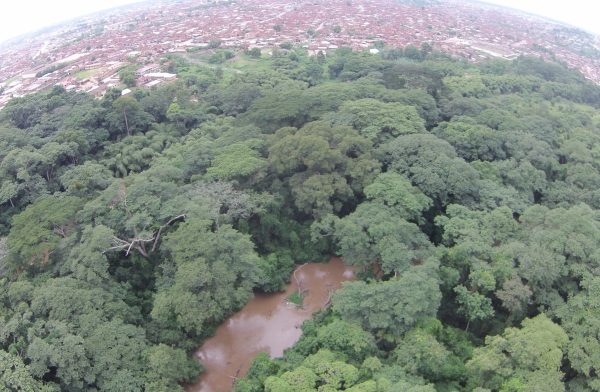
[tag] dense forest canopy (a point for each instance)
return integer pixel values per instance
(467, 196)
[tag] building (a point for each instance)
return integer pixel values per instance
(147, 69)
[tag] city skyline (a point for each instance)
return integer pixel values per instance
(87, 57)
(29, 16)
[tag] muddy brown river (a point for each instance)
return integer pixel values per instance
(266, 324)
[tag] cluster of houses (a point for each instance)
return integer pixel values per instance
(86, 55)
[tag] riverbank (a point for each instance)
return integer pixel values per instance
(268, 323)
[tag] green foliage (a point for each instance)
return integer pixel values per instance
(473, 306)
(15, 375)
(579, 318)
(433, 166)
(466, 195)
(420, 353)
(324, 167)
(378, 230)
(127, 116)
(378, 121)
(322, 369)
(168, 366)
(472, 141)
(236, 161)
(393, 306)
(346, 338)
(255, 52)
(127, 76)
(50, 69)
(296, 298)
(214, 44)
(86, 179)
(212, 277)
(275, 271)
(529, 357)
(37, 232)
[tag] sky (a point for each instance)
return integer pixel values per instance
(24, 16)
(579, 13)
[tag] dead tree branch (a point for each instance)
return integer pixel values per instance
(169, 223)
(299, 281)
(138, 243)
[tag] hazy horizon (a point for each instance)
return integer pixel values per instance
(578, 13)
(29, 16)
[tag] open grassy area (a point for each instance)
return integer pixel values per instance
(88, 73)
(241, 62)
(244, 62)
(9, 81)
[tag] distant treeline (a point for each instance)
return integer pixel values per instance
(50, 69)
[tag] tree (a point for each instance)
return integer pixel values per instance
(580, 319)
(86, 260)
(561, 243)
(426, 48)
(168, 367)
(56, 155)
(132, 209)
(515, 296)
(212, 277)
(217, 57)
(472, 141)
(420, 353)
(22, 171)
(255, 53)
(432, 165)
(117, 356)
(127, 76)
(374, 233)
(275, 271)
(135, 153)
(412, 52)
(141, 209)
(395, 191)
(16, 376)
(236, 161)
(528, 358)
(283, 105)
(379, 121)
(128, 116)
(86, 180)
(83, 338)
(472, 305)
(37, 232)
(346, 338)
(8, 191)
(74, 302)
(478, 256)
(392, 306)
(214, 44)
(312, 73)
(62, 350)
(234, 99)
(323, 166)
(466, 86)
(321, 368)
